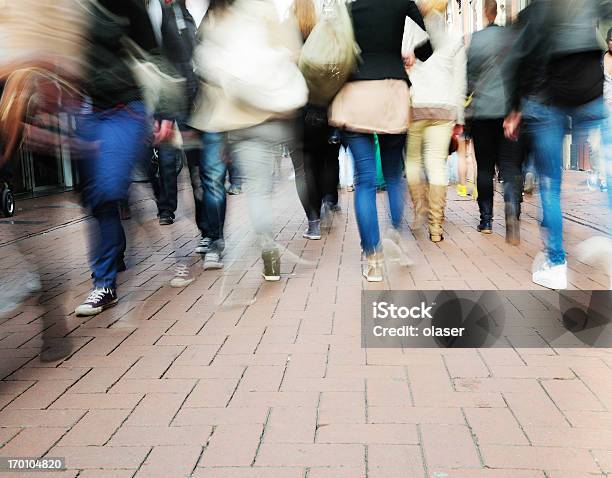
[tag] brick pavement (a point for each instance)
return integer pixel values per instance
(236, 378)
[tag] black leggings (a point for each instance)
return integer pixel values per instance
(492, 148)
(321, 166)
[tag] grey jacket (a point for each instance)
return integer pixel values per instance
(484, 70)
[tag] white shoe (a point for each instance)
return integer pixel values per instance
(373, 270)
(550, 276)
(394, 251)
(212, 261)
(204, 245)
(182, 277)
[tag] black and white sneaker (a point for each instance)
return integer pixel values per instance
(204, 245)
(99, 299)
(212, 261)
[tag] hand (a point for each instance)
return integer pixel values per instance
(409, 60)
(163, 131)
(512, 125)
(458, 130)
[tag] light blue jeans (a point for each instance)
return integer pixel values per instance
(545, 125)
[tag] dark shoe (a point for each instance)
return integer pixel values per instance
(435, 238)
(165, 220)
(314, 231)
(121, 267)
(204, 245)
(234, 190)
(99, 299)
(513, 225)
(485, 227)
(335, 208)
(271, 260)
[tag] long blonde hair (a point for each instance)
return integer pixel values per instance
(306, 15)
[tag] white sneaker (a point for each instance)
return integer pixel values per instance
(212, 261)
(373, 270)
(551, 276)
(182, 276)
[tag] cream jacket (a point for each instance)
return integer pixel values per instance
(439, 85)
(218, 111)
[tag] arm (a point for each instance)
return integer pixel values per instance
(412, 11)
(460, 81)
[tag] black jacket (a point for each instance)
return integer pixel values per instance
(109, 80)
(379, 31)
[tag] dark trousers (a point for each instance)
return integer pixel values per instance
(493, 149)
(166, 188)
(321, 166)
(193, 163)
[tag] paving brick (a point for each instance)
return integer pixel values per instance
(394, 434)
(101, 457)
(388, 393)
(291, 425)
(256, 472)
(232, 445)
(275, 399)
(262, 379)
(33, 442)
(127, 385)
(97, 401)
(40, 418)
(572, 395)
(535, 410)
(544, 458)
(273, 454)
(395, 461)
(95, 428)
(161, 436)
(41, 395)
(156, 409)
(220, 416)
(576, 437)
(212, 393)
(449, 446)
(415, 415)
(495, 426)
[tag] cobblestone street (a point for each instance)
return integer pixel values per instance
(233, 377)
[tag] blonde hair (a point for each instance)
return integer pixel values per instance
(306, 15)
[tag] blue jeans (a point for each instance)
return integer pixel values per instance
(121, 135)
(545, 126)
(363, 149)
(212, 174)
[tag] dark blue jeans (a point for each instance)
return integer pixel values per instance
(213, 170)
(363, 148)
(120, 135)
(545, 126)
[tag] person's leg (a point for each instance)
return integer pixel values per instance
(485, 136)
(302, 167)
(168, 190)
(546, 128)
(462, 152)
(437, 137)
(331, 169)
(120, 136)
(363, 148)
(415, 172)
(511, 156)
(364, 156)
(392, 149)
(212, 175)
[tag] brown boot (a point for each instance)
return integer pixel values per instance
(418, 193)
(437, 205)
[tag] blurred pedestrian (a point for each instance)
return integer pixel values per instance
(116, 123)
(556, 72)
(438, 97)
(252, 93)
(489, 106)
(377, 100)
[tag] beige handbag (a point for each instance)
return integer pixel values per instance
(376, 106)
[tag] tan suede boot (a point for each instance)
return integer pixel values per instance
(418, 194)
(437, 205)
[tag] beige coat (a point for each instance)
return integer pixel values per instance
(218, 111)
